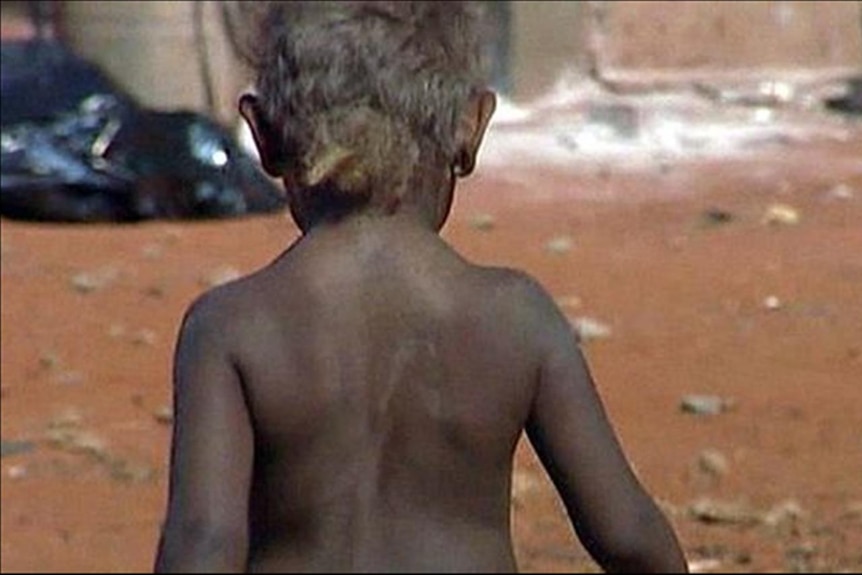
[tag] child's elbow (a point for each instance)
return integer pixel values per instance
(199, 547)
(646, 545)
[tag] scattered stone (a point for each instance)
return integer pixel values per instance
(670, 509)
(559, 245)
(772, 303)
(712, 462)
(783, 514)
(155, 291)
(220, 276)
(17, 472)
(853, 511)
(87, 282)
(704, 566)
(49, 360)
(483, 222)
(145, 337)
(706, 404)
(69, 418)
(841, 192)
(717, 216)
(570, 302)
(523, 483)
(707, 510)
(116, 331)
(589, 329)
(129, 472)
(799, 557)
(15, 447)
(781, 214)
(164, 415)
(723, 555)
(78, 441)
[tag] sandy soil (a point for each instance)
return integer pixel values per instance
(702, 291)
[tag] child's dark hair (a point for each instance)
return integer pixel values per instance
(363, 93)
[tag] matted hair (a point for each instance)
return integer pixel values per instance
(364, 91)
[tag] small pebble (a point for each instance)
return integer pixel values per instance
(705, 404)
(713, 462)
(16, 472)
(560, 245)
(570, 302)
(772, 303)
(841, 192)
(164, 415)
(782, 214)
(116, 331)
(483, 222)
(589, 329)
(49, 360)
(146, 337)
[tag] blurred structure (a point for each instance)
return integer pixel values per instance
(151, 48)
(155, 52)
(667, 74)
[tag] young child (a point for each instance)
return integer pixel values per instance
(356, 404)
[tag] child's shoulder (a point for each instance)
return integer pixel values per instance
(515, 287)
(222, 305)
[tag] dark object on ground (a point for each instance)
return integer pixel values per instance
(77, 149)
(851, 101)
(716, 216)
(40, 80)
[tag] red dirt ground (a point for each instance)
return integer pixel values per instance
(86, 369)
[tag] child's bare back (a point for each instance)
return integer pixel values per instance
(390, 382)
(356, 404)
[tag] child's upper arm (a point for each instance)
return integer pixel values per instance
(212, 448)
(570, 432)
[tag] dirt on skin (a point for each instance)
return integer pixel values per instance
(737, 280)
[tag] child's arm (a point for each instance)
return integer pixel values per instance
(614, 517)
(206, 528)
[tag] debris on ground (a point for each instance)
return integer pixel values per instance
(589, 329)
(15, 447)
(559, 245)
(483, 222)
(781, 214)
(706, 404)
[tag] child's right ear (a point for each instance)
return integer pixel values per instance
(267, 137)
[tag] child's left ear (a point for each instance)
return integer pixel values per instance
(471, 130)
(267, 137)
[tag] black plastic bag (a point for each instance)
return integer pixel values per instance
(108, 159)
(851, 101)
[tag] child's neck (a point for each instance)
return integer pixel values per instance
(371, 221)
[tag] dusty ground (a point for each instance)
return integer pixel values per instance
(699, 292)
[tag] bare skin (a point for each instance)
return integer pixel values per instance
(355, 406)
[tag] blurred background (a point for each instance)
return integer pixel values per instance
(183, 53)
(622, 80)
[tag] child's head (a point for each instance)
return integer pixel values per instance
(372, 105)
